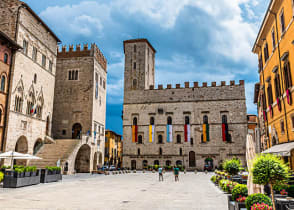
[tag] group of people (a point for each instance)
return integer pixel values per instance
(176, 173)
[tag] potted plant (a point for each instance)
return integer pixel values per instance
(270, 169)
(238, 190)
(240, 202)
(261, 206)
(257, 198)
(232, 167)
(1, 176)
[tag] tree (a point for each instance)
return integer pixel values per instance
(270, 169)
(232, 166)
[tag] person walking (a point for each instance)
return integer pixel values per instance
(160, 174)
(176, 173)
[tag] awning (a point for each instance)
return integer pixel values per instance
(281, 149)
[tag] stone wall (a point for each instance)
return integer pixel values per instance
(31, 81)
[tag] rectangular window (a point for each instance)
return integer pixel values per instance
(287, 75)
(50, 66)
(134, 65)
(265, 52)
(44, 61)
(104, 84)
(277, 86)
(270, 94)
(34, 55)
(282, 126)
(273, 39)
(100, 81)
(282, 20)
(25, 46)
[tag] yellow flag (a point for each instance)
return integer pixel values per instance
(133, 133)
(150, 134)
(204, 133)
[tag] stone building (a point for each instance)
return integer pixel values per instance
(33, 72)
(113, 149)
(191, 126)
(7, 51)
(80, 103)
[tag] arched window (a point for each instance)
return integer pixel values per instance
(135, 48)
(181, 151)
(140, 139)
(134, 83)
(224, 119)
(178, 139)
(191, 141)
(156, 162)
(151, 120)
(69, 75)
(35, 78)
(3, 80)
(160, 151)
(205, 119)
(160, 139)
(76, 75)
(187, 120)
(169, 121)
(139, 151)
(135, 121)
(5, 58)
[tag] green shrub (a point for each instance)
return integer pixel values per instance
(156, 167)
(257, 198)
(1, 176)
(213, 178)
(232, 167)
(5, 167)
(53, 168)
(239, 189)
(19, 170)
(290, 190)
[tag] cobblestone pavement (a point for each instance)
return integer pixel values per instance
(115, 192)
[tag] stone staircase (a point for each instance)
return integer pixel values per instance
(61, 149)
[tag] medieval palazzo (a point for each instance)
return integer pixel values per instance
(190, 126)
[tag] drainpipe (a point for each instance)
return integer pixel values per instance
(281, 78)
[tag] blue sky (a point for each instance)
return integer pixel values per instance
(196, 40)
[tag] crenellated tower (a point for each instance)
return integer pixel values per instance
(139, 64)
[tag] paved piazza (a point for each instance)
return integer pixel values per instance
(122, 191)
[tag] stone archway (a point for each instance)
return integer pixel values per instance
(21, 146)
(192, 161)
(76, 131)
(95, 162)
(37, 146)
(133, 165)
(82, 161)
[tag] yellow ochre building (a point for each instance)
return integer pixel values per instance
(274, 46)
(113, 149)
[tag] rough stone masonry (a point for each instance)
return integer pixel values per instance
(144, 107)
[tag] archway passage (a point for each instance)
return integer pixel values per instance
(168, 163)
(95, 162)
(133, 165)
(37, 146)
(82, 162)
(179, 163)
(156, 162)
(145, 164)
(192, 162)
(208, 164)
(76, 131)
(21, 147)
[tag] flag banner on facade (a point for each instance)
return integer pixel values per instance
(33, 110)
(205, 132)
(134, 133)
(225, 132)
(169, 133)
(187, 133)
(151, 133)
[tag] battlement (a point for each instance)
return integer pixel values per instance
(196, 85)
(71, 52)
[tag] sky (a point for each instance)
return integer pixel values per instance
(195, 40)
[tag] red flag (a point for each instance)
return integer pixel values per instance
(224, 131)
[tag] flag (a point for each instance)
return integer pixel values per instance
(151, 133)
(224, 132)
(187, 133)
(205, 132)
(169, 133)
(33, 109)
(134, 133)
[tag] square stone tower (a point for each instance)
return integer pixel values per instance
(139, 64)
